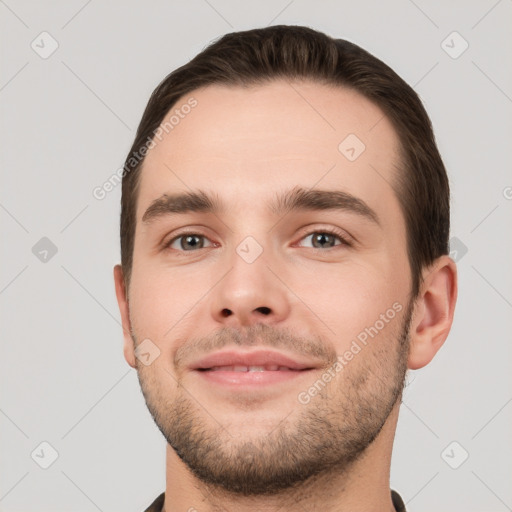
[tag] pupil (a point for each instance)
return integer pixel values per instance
(321, 238)
(190, 241)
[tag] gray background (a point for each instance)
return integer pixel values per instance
(67, 122)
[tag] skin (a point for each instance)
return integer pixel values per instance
(245, 145)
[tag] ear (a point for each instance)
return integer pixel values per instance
(122, 301)
(433, 312)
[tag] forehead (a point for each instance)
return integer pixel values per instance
(244, 143)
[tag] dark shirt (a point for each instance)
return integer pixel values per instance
(157, 505)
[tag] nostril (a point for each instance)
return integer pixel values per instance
(264, 310)
(226, 312)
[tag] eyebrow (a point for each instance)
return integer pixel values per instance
(296, 199)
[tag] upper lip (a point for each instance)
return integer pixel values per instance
(254, 358)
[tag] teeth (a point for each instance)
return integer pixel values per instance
(271, 368)
(240, 368)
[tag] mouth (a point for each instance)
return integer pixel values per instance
(268, 368)
(245, 377)
(251, 369)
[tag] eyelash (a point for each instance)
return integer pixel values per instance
(330, 231)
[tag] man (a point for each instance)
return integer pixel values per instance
(284, 244)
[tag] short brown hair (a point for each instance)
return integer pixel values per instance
(293, 52)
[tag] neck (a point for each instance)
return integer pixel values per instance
(364, 486)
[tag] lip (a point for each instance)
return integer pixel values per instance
(254, 358)
(239, 380)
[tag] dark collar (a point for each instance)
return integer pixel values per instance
(157, 505)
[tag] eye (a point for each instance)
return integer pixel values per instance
(325, 239)
(188, 242)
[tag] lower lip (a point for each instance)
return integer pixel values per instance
(251, 379)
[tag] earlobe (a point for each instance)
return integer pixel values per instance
(124, 310)
(433, 314)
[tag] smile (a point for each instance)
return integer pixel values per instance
(268, 368)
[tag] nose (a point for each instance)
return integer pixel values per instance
(250, 293)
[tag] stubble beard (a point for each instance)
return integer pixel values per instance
(326, 435)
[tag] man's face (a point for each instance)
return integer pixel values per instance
(327, 287)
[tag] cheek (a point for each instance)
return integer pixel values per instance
(161, 299)
(353, 299)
